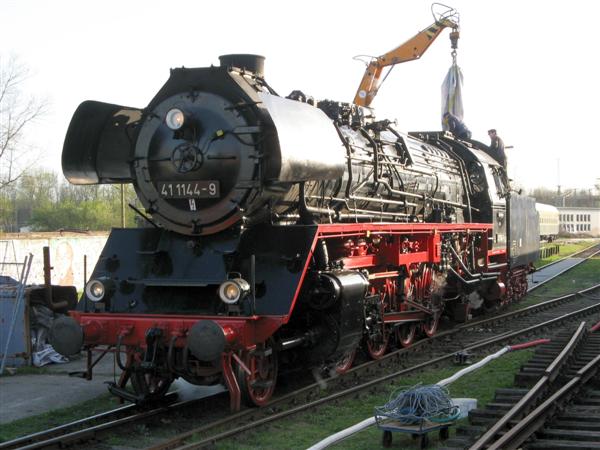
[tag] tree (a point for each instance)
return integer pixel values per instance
(17, 112)
(47, 204)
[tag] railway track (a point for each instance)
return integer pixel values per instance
(443, 347)
(556, 268)
(477, 337)
(559, 383)
(87, 428)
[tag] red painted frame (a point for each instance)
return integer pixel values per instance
(244, 332)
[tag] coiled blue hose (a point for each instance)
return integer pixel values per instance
(419, 403)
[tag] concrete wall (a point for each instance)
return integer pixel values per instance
(67, 252)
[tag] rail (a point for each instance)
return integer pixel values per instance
(233, 422)
(65, 434)
(68, 433)
(573, 255)
(536, 419)
(583, 259)
(534, 395)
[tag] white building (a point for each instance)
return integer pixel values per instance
(579, 220)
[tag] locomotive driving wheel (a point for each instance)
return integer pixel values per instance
(405, 334)
(344, 364)
(430, 325)
(377, 342)
(378, 336)
(422, 281)
(258, 386)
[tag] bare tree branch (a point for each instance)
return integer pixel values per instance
(17, 112)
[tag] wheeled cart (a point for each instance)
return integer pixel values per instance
(417, 430)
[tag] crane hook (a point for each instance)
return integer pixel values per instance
(454, 35)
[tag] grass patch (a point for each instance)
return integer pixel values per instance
(56, 417)
(138, 435)
(566, 248)
(303, 430)
(583, 276)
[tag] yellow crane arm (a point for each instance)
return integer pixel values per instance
(408, 51)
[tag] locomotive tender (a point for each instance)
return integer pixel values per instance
(281, 231)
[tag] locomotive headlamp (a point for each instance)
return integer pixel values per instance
(232, 291)
(99, 289)
(175, 119)
(95, 290)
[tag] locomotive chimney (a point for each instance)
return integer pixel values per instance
(253, 63)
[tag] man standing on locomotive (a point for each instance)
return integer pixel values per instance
(497, 148)
(456, 126)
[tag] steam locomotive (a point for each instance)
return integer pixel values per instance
(281, 231)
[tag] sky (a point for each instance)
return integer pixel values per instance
(530, 68)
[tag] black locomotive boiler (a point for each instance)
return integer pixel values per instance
(281, 230)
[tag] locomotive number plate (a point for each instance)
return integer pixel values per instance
(189, 189)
